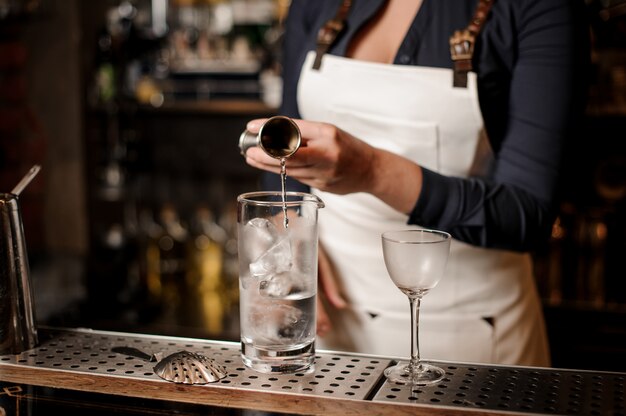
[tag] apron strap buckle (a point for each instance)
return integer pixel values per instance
(461, 51)
(329, 32)
(325, 37)
(462, 43)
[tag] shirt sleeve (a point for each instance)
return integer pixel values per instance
(514, 207)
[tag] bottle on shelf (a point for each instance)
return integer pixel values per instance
(230, 274)
(165, 264)
(204, 270)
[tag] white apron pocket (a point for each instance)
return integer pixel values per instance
(459, 338)
(414, 139)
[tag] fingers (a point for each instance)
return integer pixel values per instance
(307, 128)
(329, 290)
(309, 163)
(253, 126)
(313, 129)
(323, 321)
(257, 158)
(328, 281)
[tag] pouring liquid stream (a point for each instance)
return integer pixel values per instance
(283, 183)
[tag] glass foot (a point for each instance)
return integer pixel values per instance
(421, 374)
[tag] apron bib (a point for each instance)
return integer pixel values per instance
(485, 308)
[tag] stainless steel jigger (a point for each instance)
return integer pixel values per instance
(279, 137)
(18, 331)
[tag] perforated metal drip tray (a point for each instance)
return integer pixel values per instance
(520, 390)
(90, 352)
(357, 378)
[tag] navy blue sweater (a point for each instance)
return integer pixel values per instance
(530, 59)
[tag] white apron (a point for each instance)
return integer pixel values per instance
(485, 308)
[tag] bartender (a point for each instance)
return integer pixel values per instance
(442, 114)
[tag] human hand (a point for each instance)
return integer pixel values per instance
(333, 160)
(328, 159)
(328, 290)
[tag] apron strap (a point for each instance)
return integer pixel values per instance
(462, 43)
(329, 32)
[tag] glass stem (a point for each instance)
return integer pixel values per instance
(415, 316)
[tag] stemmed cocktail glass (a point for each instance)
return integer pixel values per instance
(415, 260)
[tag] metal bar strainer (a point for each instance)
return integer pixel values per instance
(180, 367)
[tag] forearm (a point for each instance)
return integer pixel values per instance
(395, 180)
(482, 212)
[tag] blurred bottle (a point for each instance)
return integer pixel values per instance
(590, 235)
(204, 270)
(104, 89)
(230, 274)
(149, 261)
(166, 264)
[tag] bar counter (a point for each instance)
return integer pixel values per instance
(76, 371)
